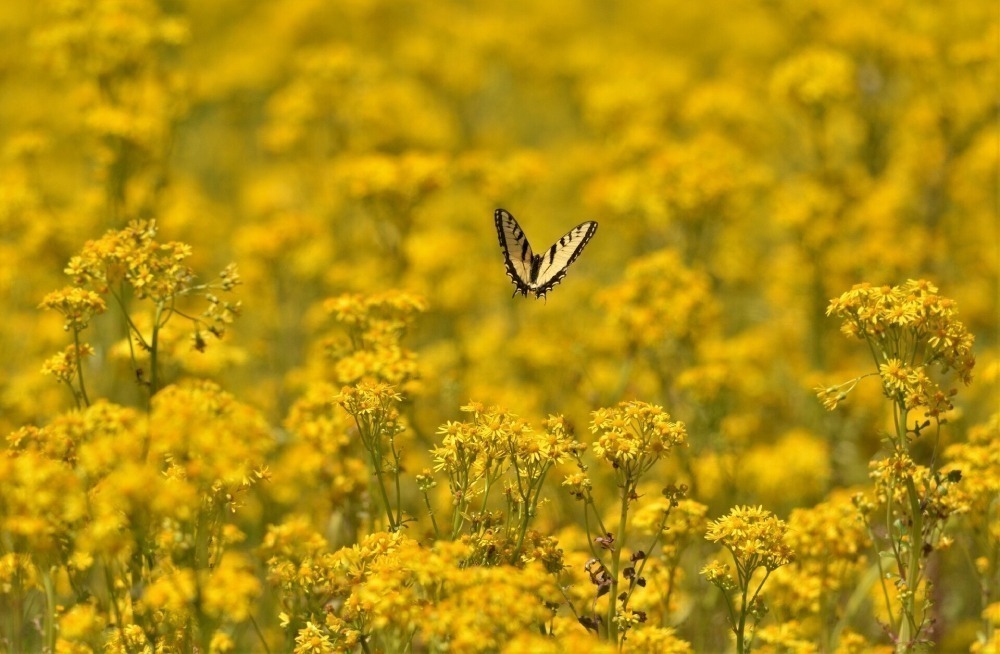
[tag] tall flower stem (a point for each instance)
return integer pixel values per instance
(616, 555)
(154, 350)
(50, 614)
(79, 367)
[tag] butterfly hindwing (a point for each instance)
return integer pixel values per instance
(533, 272)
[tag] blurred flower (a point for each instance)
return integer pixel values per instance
(815, 78)
(64, 366)
(375, 326)
(661, 310)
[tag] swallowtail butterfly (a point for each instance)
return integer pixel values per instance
(538, 273)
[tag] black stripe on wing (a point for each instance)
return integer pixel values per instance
(557, 259)
(517, 252)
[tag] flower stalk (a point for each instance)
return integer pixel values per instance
(916, 343)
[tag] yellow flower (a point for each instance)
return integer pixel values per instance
(718, 574)
(894, 375)
(579, 484)
(978, 461)
(635, 434)
(662, 303)
(755, 537)
(909, 328)
(375, 325)
(81, 623)
(311, 640)
(76, 304)
(655, 640)
(230, 589)
(221, 643)
(788, 485)
(64, 366)
(173, 590)
(815, 78)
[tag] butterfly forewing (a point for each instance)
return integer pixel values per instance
(557, 259)
(517, 252)
(538, 273)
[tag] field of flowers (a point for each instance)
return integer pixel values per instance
(263, 387)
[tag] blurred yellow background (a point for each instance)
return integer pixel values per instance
(747, 160)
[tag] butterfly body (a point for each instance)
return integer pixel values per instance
(538, 273)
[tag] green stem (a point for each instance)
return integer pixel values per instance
(460, 494)
(767, 573)
(527, 509)
(385, 497)
(72, 391)
(616, 555)
(586, 527)
(909, 569)
(908, 629)
(17, 614)
(79, 367)
(729, 607)
(260, 634)
(154, 355)
(395, 474)
(671, 582)
(881, 574)
(648, 553)
(130, 326)
(488, 486)
(115, 609)
(456, 523)
(50, 615)
(371, 434)
(741, 626)
(430, 512)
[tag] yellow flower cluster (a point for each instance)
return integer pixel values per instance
(634, 435)
(387, 591)
(78, 305)
(498, 452)
(146, 501)
(756, 539)
(130, 264)
(754, 536)
(153, 270)
(373, 405)
(909, 329)
(317, 460)
(662, 304)
(831, 548)
(978, 463)
(308, 481)
(64, 365)
(375, 326)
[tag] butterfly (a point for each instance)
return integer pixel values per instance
(538, 273)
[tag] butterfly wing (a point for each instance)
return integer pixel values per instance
(557, 259)
(517, 252)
